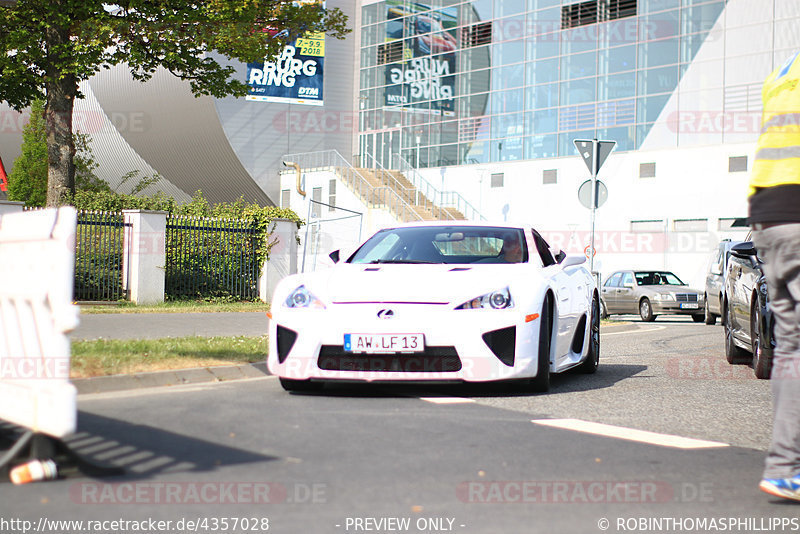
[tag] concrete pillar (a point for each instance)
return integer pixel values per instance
(143, 270)
(282, 259)
(9, 206)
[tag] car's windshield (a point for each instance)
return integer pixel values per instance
(657, 278)
(444, 244)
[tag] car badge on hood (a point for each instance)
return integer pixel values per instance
(385, 314)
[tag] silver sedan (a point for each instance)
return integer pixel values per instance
(650, 293)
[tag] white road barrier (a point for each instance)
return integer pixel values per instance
(37, 262)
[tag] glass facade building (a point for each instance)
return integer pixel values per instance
(445, 82)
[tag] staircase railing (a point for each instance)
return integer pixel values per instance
(387, 178)
(332, 160)
(411, 194)
(443, 199)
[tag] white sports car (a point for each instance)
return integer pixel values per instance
(438, 302)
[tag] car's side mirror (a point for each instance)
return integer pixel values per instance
(334, 256)
(744, 250)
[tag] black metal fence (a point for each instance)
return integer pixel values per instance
(208, 258)
(99, 256)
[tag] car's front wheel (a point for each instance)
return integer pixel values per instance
(733, 354)
(592, 361)
(762, 365)
(709, 317)
(646, 311)
(541, 382)
(603, 310)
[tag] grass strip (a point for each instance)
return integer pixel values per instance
(179, 306)
(103, 357)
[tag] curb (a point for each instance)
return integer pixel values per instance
(197, 375)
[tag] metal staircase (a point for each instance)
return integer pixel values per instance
(407, 199)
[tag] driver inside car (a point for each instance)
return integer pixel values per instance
(512, 248)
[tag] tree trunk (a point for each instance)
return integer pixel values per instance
(61, 90)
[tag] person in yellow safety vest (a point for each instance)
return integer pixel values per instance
(774, 205)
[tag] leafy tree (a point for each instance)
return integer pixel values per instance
(47, 47)
(28, 180)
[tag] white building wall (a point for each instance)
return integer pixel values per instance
(331, 230)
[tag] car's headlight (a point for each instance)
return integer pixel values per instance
(498, 300)
(664, 296)
(303, 298)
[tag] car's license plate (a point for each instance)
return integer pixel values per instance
(384, 342)
(689, 305)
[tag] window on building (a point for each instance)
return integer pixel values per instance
(316, 196)
(647, 170)
(737, 164)
(579, 14)
(550, 176)
(332, 195)
(583, 13)
(497, 179)
(727, 223)
(648, 226)
(616, 9)
(476, 35)
(390, 52)
(285, 198)
(690, 225)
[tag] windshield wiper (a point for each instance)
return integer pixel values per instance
(403, 261)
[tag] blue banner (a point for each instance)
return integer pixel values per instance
(295, 77)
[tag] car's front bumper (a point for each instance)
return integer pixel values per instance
(672, 307)
(458, 345)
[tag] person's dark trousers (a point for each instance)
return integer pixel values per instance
(779, 247)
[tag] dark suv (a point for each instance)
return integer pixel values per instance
(746, 314)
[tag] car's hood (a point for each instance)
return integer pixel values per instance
(666, 288)
(438, 283)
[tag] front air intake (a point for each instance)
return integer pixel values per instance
(285, 340)
(502, 343)
(431, 360)
(580, 334)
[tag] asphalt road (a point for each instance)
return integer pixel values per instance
(446, 459)
(161, 325)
